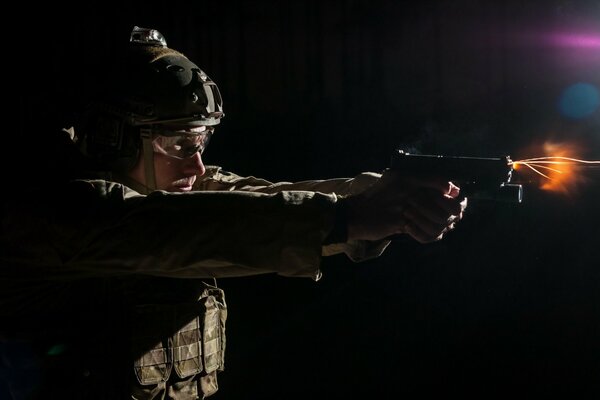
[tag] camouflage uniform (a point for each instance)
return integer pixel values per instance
(93, 272)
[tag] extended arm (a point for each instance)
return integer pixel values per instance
(97, 228)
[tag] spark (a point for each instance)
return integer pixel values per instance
(557, 160)
(543, 162)
(535, 170)
(554, 164)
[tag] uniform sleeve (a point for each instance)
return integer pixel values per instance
(217, 179)
(97, 228)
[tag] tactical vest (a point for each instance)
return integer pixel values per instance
(146, 338)
(179, 348)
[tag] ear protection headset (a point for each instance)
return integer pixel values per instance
(108, 139)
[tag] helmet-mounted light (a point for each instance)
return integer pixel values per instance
(147, 36)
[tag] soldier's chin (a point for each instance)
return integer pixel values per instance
(182, 188)
(183, 185)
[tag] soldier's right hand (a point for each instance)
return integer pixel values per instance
(424, 208)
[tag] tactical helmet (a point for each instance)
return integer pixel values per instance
(151, 84)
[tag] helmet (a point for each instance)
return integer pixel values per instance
(151, 84)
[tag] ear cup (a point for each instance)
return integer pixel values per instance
(108, 139)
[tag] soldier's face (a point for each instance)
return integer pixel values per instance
(177, 160)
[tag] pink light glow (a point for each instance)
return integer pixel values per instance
(575, 40)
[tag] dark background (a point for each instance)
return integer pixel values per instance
(508, 303)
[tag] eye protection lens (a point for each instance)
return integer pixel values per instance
(180, 144)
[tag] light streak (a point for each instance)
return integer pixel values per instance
(577, 40)
(557, 169)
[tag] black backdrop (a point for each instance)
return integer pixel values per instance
(508, 303)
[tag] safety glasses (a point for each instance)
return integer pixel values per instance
(180, 143)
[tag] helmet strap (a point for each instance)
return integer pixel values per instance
(148, 151)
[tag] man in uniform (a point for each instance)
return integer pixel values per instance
(93, 302)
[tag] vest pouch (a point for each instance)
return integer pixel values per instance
(187, 340)
(152, 347)
(214, 308)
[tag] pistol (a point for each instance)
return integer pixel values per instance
(477, 177)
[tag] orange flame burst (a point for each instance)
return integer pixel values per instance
(559, 168)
